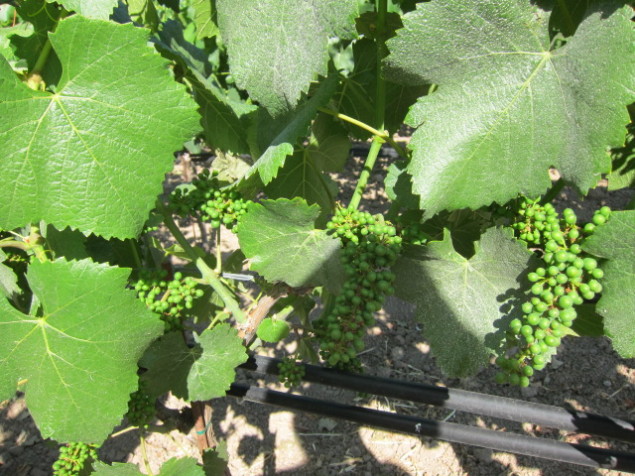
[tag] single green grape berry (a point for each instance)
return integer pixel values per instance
(552, 341)
(606, 211)
(575, 249)
(599, 219)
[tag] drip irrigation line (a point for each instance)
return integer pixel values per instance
(463, 400)
(452, 432)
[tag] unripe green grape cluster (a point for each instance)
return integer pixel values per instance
(290, 373)
(414, 234)
(171, 299)
(567, 278)
(141, 407)
(370, 248)
(212, 201)
(73, 458)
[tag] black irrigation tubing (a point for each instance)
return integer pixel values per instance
(462, 400)
(452, 432)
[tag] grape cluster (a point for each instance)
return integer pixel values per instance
(171, 299)
(73, 459)
(567, 278)
(290, 373)
(212, 201)
(141, 408)
(370, 247)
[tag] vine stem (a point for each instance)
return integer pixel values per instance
(208, 274)
(380, 107)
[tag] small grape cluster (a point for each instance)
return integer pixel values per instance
(141, 408)
(370, 247)
(73, 458)
(414, 234)
(290, 373)
(213, 202)
(171, 299)
(567, 278)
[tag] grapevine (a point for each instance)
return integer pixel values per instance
(369, 247)
(568, 277)
(74, 458)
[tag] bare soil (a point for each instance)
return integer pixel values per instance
(262, 440)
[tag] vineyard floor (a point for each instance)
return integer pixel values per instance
(262, 440)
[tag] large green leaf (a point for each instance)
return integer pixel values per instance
(464, 304)
(615, 241)
(79, 359)
(272, 140)
(277, 48)
(282, 244)
(101, 9)
(92, 155)
(509, 104)
(202, 372)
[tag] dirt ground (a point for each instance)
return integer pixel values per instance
(263, 440)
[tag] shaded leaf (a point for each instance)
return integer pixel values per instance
(275, 228)
(272, 140)
(202, 372)
(464, 304)
(615, 241)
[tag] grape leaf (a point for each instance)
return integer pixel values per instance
(276, 229)
(203, 14)
(79, 359)
(100, 9)
(143, 12)
(464, 304)
(277, 48)
(615, 241)
(94, 154)
(623, 173)
(330, 146)
(300, 177)
(356, 96)
(509, 103)
(8, 280)
(202, 372)
(272, 140)
(172, 467)
(225, 120)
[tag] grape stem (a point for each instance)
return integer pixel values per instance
(362, 125)
(207, 273)
(380, 108)
(144, 453)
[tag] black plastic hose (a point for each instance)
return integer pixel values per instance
(472, 402)
(453, 432)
